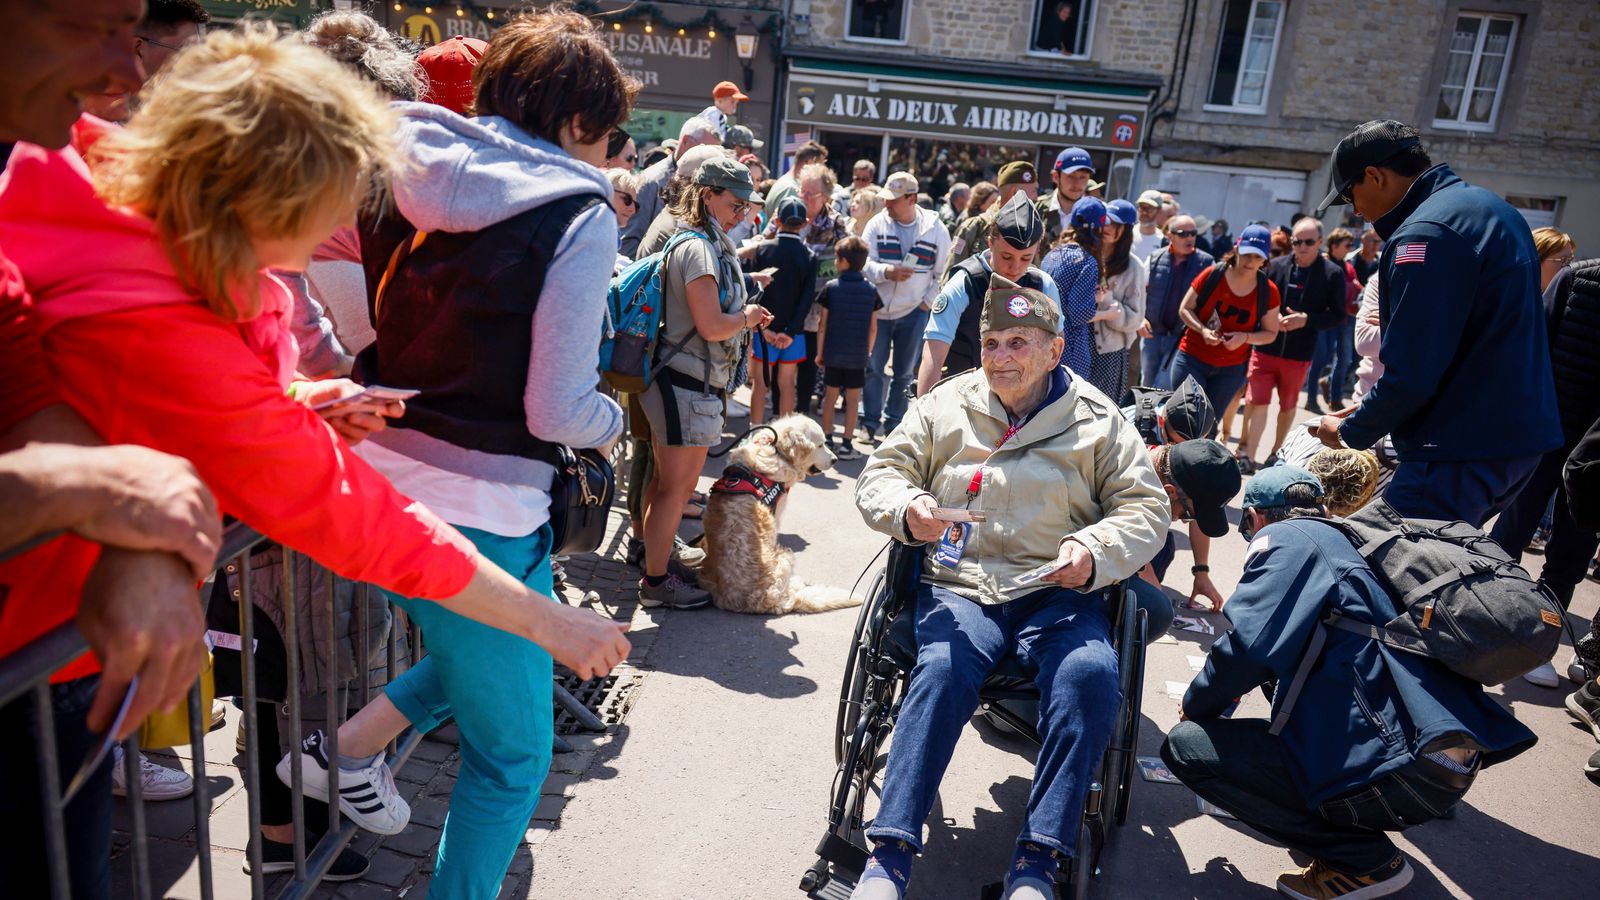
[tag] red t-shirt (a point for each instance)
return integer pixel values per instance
(1234, 312)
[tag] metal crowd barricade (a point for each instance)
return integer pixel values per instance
(29, 669)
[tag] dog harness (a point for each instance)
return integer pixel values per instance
(742, 480)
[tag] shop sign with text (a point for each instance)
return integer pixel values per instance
(1013, 118)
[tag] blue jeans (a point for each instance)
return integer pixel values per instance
(1219, 382)
(1064, 638)
(1155, 360)
(1336, 348)
(905, 334)
(497, 688)
(1473, 491)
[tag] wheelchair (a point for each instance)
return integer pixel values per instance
(876, 678)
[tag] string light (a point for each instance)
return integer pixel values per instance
(460, 11)
(616, 26)
(428, 10)
(712, 33)
(398, 7)
(489, 14)
(681, 32)
(648, 28)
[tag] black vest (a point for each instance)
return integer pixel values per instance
(965, 346)
(456, 323)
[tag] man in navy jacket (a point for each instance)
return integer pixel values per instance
(1378, 740)
(1466, 392)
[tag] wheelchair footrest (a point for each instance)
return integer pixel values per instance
(844, 855)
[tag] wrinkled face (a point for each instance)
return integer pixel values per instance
(814, 194)
(860, 178)
(60, 54)
(1017, 360)
(1182, 233)
(1305, 239)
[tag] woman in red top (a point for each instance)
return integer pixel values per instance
(1232, 315)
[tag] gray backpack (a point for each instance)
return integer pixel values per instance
(1462, 600)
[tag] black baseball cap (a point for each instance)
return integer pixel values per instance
(1188, 412)
(1371, 144)
(1206, 472)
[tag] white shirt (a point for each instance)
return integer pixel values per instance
(509, 510)
(1144, 244)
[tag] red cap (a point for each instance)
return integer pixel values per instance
(728, 89)
(449, 65)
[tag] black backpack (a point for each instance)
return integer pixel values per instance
(1209, 287)
(1462, 600)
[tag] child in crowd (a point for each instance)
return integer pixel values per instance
(849, 326)
(777, 350)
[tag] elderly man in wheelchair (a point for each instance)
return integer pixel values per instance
(1030, 495)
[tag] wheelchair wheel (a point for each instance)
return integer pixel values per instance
(854, 684)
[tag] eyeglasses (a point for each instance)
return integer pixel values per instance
(740, 207)
(1561, 260)
(162, 44)
(1184, 233)
(627, 199)
(1306, 242)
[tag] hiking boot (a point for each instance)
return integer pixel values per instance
(1320, 882)
(673, 593)
(1584, 705)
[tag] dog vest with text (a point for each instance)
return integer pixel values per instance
(740, 480)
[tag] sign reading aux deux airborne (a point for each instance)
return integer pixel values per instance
(1008, 117)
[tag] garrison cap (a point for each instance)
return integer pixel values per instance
(1019, 172)
(1018, 223)
(1009, 305)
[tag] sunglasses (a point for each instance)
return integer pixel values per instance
(1185, 233)
(1306, 242)
(162, 44)
(628, 199)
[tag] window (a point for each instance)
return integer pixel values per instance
(1475, 71)
(877, 20)
(1062, 27)
(1245, 53)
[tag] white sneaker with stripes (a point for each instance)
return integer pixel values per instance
(367, 795)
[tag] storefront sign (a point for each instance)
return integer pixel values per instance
(286, 10)
(1011, 118)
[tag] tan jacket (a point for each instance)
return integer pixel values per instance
(1077, 470)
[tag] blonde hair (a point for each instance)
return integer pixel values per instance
(870, 200)
(360, 42)
(1349, 478)
(1550, 241)
(623, 181)
(817, 172)
(246, 133)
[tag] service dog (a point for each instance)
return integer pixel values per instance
(745, 570)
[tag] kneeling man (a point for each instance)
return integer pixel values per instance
(1061, 480)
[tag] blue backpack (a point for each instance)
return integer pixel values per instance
(629, 351)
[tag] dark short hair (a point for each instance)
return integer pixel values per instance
(852, 250)
(1300, 500)
(616, 142)
(165, 15)
(546, 68)
(809, 152)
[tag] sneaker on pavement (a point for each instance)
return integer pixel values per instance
(219, 715)
(689, 556)
(367, 795)
(279, 857)
(155, 782)
(1319, 882)
(1584, 705)
(847, 450)
(1577, 671)
(1544, 676)
(673, 593)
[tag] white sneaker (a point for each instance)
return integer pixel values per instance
(1577, 672)
(219, 715)
(367, 795)
(1544, 676)
(155, 782)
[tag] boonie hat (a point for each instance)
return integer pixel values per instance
(791, 211)
(900, 184)
(1009, 305)
(1266, 490)
(1150, 198)
(1188, 412)
(1371, 144)
(1206, 472)
(741, 136)
(449, 65)
(1255, 239)
(728, 89)
(724, 172)
(1122, 212)
(1019, 172)
(1088, 212)
(1073, 159)
(1018, 223)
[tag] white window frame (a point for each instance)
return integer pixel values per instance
(905, 26)
(1472, 73)
(1088, 43)
(1272, 61)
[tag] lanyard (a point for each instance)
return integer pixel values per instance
(976, 484)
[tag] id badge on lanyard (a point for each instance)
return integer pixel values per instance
(953, 543)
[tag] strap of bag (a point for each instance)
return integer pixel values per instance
(1382, 635)
(1207, 288)
(1263, 294)
(1291, 694)
(403, 250)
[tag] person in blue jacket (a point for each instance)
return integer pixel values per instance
(1378, 740)
(1467, 392)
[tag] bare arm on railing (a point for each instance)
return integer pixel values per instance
(588, 644)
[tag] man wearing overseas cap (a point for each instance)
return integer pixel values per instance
(1364, 741)
(725, 100)
(907, 246)
(1065, 487)
(951, 340)
(1070, 175)
(1015, 178)
(1467, 391)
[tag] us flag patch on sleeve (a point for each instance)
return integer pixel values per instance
(1411, 253)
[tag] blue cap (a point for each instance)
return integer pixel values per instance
(791, 211)
(1072, 159)
(1122, 212)
(1255, 239)
(1266, 489)
(1088, 212)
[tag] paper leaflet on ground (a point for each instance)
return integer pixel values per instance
(1176, 689)
(1196, 663)
(1154, 769)
(1211, 809)
(1200, 626)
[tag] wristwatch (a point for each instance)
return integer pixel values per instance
(1199, 570)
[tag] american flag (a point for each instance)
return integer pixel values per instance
(1411, 253)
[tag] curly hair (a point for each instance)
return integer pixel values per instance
(248, 133)
(1349, 478)
(357, 40)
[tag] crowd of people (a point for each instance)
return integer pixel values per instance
(283, 219)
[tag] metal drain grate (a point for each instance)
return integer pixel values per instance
(610, 697)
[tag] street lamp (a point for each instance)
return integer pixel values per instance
(745, 40)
